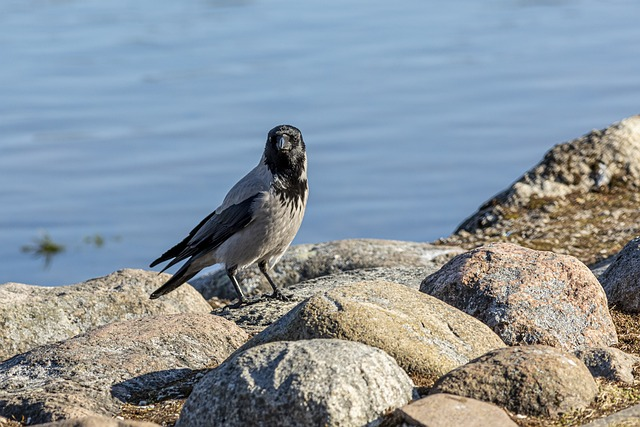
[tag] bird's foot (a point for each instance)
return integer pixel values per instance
(277, 294)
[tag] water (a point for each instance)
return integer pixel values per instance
(130, 120)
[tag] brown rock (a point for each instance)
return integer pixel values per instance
(446, 410)
(527, 296)
(35, 315)
(531, 380)
(424, 335)
(94, 373)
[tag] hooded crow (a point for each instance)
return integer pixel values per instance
(256, 222)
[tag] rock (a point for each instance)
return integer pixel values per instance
(596, 161)
(621, 281)
(446, 410)
(98, 422)
(94, 373)
(255, 317)
(424, 335)
(629, 417)
(531, 380)
(527, 296)
(305, 383)
(35, 315)
(309, 261)
(601, 266)
(609, 363)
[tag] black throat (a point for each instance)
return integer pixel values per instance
(289, 184)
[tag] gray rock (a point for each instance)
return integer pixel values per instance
(98, 422)
(309, 261)
(447, 410)
(35, 315)
(600, 159)
(621, 281)
(94, 373)
(527, 296)
(531, 380)
(254, 318)
(609, 363)
(424, 335)
(303, 383)
(600, 267)
(629, 417)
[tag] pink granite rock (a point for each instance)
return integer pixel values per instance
(527, 296)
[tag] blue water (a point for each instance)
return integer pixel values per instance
(130, 120)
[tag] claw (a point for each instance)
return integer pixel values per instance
(279, 296)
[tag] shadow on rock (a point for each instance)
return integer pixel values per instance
(157, 386)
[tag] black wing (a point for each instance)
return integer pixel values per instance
(217, 228)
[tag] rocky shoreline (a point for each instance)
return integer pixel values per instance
(581, 199)
(527, 315)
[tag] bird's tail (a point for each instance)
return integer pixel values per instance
(181, 276)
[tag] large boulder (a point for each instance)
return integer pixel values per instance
(621, 280)
(424, 335)
(35, 315)
(304, 383)
(255, 317)
(95, 373)
(310, 261)
(527, 296)
(530, 380)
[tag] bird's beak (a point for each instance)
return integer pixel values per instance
(283, 143)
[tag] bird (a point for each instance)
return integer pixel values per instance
(256, 222)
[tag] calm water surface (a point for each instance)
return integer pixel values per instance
(131, 121)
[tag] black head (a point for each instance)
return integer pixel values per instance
(285, 152)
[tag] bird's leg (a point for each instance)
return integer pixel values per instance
(242, 299)
(276, 292)
(231, 273)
